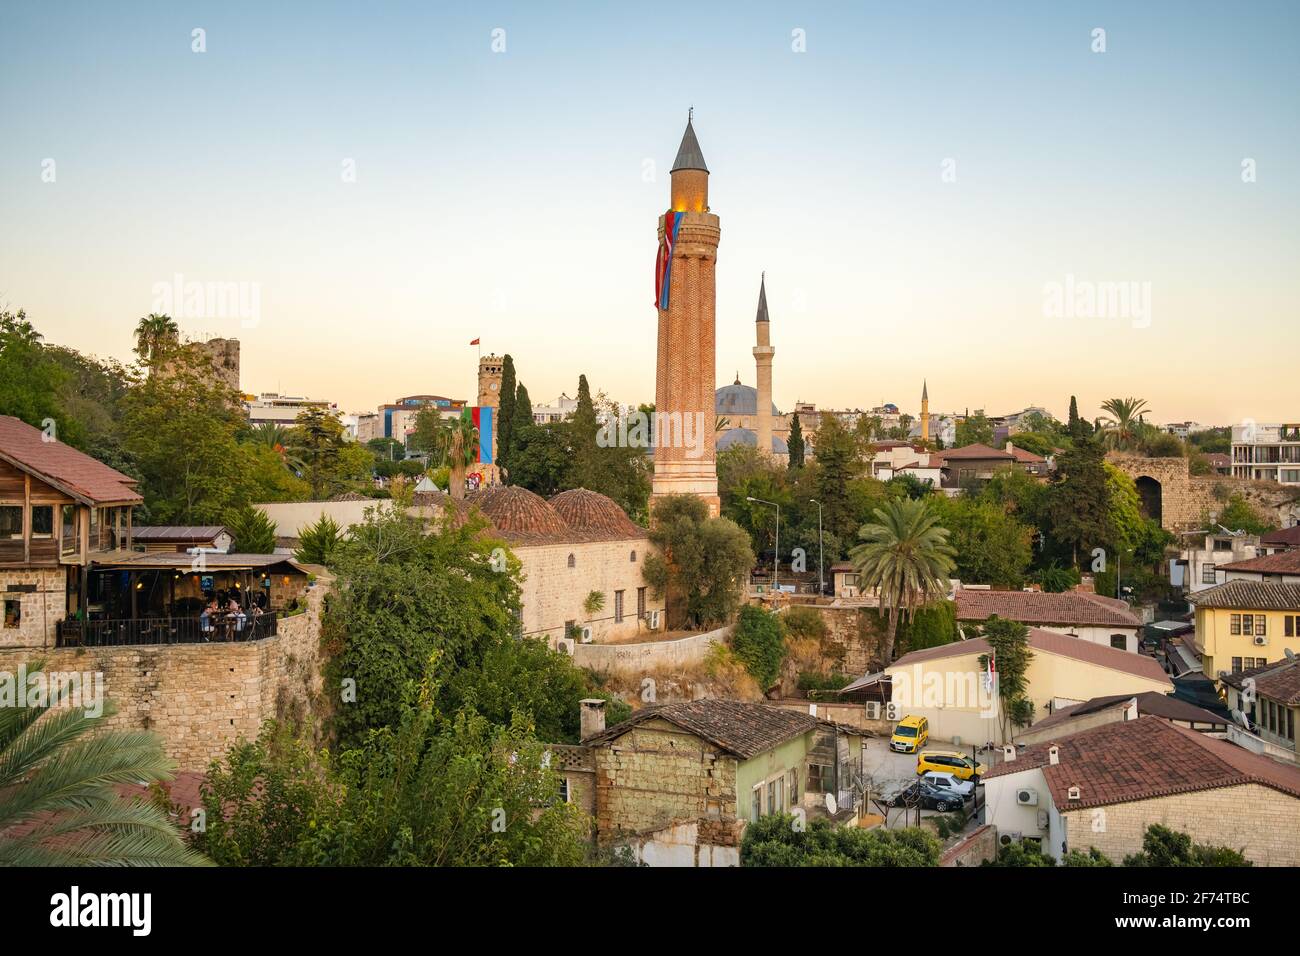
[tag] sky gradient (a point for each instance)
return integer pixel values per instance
(512, 196)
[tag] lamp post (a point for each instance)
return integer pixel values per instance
(776, 553)
(821, 584)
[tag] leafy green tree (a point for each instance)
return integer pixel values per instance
(60, 770)
(794, 443)
(1021, 853)
(1093, 857)
(838, 464)
(30, 382)
(931, 625)
(584, 469)
(1162, 846)
(1120, 430)
(1078, 500)
(974, 430)
(318, 541)
(1240, 515)
(539, 457)
(701, 564)
(330, 463)
(992, 547)
(774, 840)
(759, 643)
(251, 530)
(905, 555)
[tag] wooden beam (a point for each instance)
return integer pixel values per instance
(27, 518)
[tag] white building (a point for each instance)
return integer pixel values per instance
(276, 409)
(556, 411)
(1199, 564)
(1266, 452)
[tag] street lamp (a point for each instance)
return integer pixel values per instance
(776, 554)
(821, 584)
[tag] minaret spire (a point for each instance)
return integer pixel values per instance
(762, 299)
(763, 353)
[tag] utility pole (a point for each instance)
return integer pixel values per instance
(821, 584)
(776, 554)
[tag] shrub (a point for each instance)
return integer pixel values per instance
(805, 623)
(759, 643)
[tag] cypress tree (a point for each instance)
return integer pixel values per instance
(585, 468)
(795, 443)
(506, 412)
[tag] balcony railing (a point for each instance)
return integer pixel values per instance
(165, 630)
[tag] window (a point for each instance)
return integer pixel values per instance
(1236, 665)
(1288, 625)
(792, 783)
(819, 778)
(1207, 574)
(640, 602)
(1222, 544)
(1234, 624)
(1261, 625)
(565, 796)
(1119, 642)
(11, 521)
(70, 542)
(756, 803)
(1248, 624)
(13, 612)
(618, 607)
(573, 562)
(42, 521)
(773, 796)
(633, 557)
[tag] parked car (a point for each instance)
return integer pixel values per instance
(954, 762)
(930, 798)
(949, 784)
(910, 735)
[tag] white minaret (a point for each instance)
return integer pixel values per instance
(763, 353)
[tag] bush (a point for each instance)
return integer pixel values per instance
(1021, 853)
(930, 626)
(251, 530)
(318, 542)
(759, 643)
(805, 623)
(775, 840)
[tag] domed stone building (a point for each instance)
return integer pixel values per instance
(577, 544)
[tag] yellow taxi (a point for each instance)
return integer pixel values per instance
(960, 765)
(910, 735)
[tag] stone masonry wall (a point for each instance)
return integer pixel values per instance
(200, 698)
(40, 610)
(1258, 820)
(655, 776)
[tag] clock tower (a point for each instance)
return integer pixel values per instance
(489, 381)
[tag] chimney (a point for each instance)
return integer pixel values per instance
(1053, 755)
(1009, 753)
(592, 717)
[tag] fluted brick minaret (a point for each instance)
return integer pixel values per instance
(763, 353)
(684, 373)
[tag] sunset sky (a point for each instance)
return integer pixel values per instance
(513, 195)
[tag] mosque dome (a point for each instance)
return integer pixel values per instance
(736, 399)
(591, 514)
(746, 436)
(518, 513)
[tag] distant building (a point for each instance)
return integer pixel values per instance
(976, 464)
(1081, 614)
(275, 409)
(1266, 452)
(1199, 564)
(397, 419)
(557, 411)
(1243, 624)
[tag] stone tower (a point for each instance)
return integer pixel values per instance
(925, 411)
(489, 381)
(684, 370)
(763, 353)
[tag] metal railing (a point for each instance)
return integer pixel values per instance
(165, 630)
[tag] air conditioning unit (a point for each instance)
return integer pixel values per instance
(1261, 641)
(873, 710)
(1008, 839)
(586, 634)
(652, 620)
(1027, 797)
(564, 645)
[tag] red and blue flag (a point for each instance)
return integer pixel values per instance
(664, 262)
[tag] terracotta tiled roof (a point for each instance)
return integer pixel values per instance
(64, 467)
(1249, 595)
(161, 532)
(1284, 562)
(976, 451)
(1049, 642)
(1145, 758)
(1041, 607)
(589, 513)
(520, 515)
(1157, 705)
(1027, 457)
(1287, 536)
(739, 727)
(1278, 681)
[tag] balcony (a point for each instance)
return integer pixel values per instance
(219, 629)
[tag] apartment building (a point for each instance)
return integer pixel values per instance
(1266, 452)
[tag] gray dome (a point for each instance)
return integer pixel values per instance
(745, 436)
(737, 399)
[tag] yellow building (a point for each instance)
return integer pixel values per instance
(946, 685)
(1245, 624)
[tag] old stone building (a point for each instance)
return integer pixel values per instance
(677, 783)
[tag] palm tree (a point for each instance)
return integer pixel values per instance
(455, 445)
(154, 334)
(905, 554)
(1125, 414)
(58, 800)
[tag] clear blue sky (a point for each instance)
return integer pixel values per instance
(505, 195)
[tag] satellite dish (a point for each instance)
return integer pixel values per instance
(831, 806)
(1290, 654)
(1240, 718)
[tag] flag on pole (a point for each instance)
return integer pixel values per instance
(990, 671)
(474, 341)
(664, 261)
